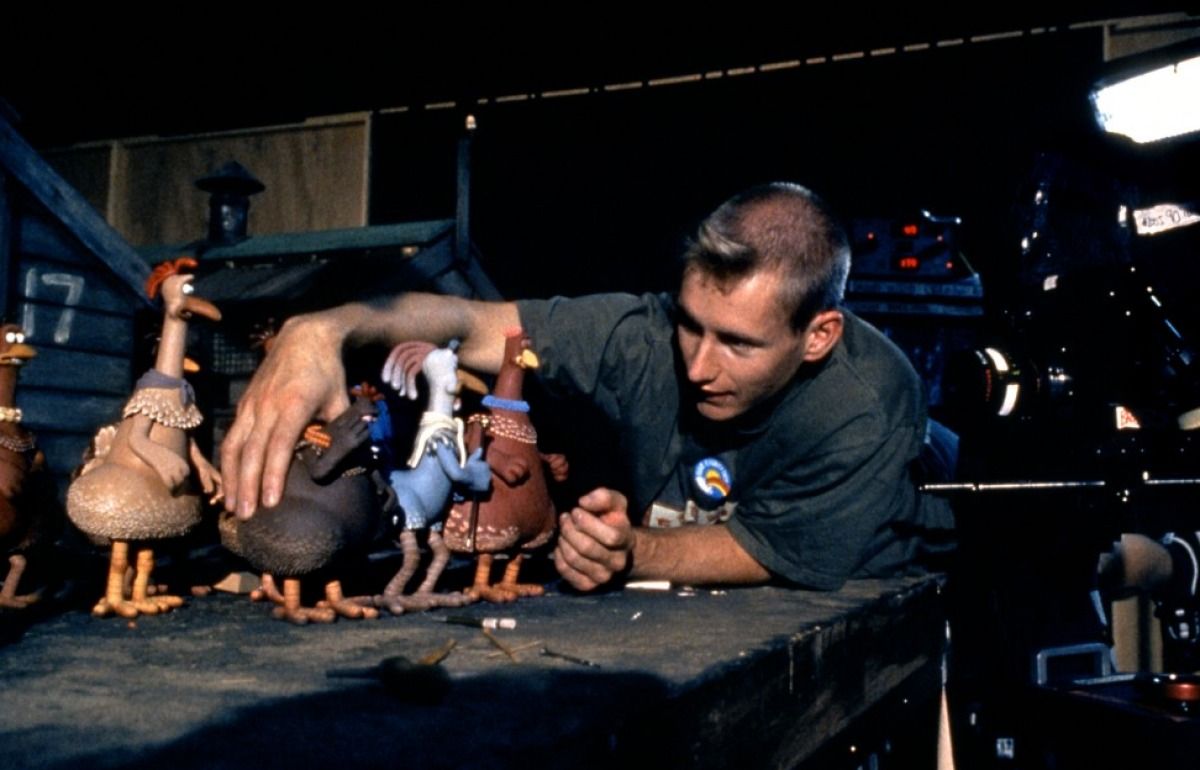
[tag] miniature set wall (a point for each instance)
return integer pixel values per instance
(316, 173)
(73, 285)
(83, 322)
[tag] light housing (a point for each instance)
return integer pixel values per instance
(1151, 97)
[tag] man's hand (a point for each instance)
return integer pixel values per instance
(302, 377)
(595, 540)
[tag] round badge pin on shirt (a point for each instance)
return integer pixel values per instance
(713, 479)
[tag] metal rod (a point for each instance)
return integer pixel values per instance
(547, 652)
(462, 213)
(999, 486)
(1005, 486)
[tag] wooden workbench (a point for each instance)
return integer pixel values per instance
(753, 677)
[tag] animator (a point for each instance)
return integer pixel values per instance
(751, 402)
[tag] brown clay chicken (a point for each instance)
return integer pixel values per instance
(331, 509)
(517, 513)
(137, 487)
(26, 517)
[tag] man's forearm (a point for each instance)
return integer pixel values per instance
(693, 554)
(302, 377)
(480, 326)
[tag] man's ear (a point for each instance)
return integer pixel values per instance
(824, 331)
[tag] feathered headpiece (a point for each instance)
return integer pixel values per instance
(403, 365)
(165, 270)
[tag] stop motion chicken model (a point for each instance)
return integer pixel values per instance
(517, 514)
(437, 463)
(137, 487)
(331, 510)
(27, 518)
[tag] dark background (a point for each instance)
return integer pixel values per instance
(597, 192)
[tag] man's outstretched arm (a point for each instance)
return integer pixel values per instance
(303, 377)
(597, 542)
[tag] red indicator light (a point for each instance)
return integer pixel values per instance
(870, 236)
(949, 265)
(909, 263)
(910, 231)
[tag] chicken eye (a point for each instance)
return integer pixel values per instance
(187, 288)
(10, 337)
(20, 337)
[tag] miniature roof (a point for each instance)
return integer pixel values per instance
(232, 177)
(69, 207)
(335, 265)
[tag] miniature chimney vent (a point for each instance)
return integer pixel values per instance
(229, 188)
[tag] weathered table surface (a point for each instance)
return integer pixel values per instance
(760, 676)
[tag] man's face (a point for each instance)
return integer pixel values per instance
(737, 343)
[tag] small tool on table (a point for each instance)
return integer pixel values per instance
(422, 682)
(474, 622)
(546, 652)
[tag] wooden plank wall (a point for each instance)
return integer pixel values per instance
(87, 168)
(81, 321)
(315, 173)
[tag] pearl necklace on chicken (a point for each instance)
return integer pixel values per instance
(505, 427)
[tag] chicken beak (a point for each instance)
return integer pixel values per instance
(189, 365)
(19, 353)
(200, 307)
(527, 359)
(471, 382)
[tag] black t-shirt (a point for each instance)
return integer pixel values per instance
(816, 485)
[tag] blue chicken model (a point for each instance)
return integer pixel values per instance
(437, 464)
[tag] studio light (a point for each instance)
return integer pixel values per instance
(1149, 102)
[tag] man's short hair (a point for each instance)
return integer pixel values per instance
(779, 226)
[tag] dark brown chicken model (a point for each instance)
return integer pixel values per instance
(137, 486)
(25, 519)
(331, 509)
(517, 513)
